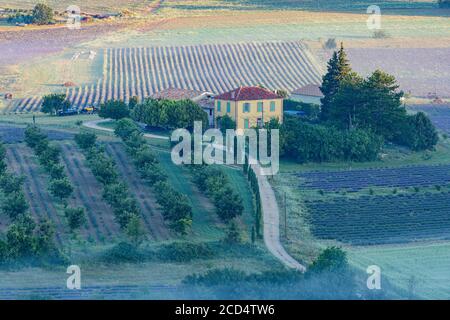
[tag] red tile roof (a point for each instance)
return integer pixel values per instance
(248, 93)
(312, 90)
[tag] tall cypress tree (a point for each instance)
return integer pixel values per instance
(338, 68)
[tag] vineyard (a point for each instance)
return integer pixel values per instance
(371, 220)
(355, 180)
(217, 68)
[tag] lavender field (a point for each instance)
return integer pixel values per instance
(372, 220)
(140, 72)
(355, 180)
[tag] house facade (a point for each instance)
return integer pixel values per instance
(249, 106)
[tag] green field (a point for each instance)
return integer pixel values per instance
(421, 268)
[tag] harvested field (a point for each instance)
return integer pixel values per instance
(141, 72)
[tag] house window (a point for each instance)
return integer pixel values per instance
(218, 106)
(272, 106)
(228, 107)
(246, 107)
(246, 124)
(260, 106)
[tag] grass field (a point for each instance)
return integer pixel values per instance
(421, 268)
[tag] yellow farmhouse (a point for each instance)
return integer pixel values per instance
(249, 106)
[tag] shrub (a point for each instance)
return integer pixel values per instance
(61, 188)
(42, 14)
(76, 218)
(114, 109)
(14, 205)
(184, 252)
(123, 252)
(54, 102)
(85, 140)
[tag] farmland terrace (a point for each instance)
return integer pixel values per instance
(217, 68)
(370, 220)
(355, 180)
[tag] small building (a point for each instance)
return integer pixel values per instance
(203, 98)
(308, 94)
(249, 106)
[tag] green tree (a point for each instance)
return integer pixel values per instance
(125, 127)
(228, 204)
(134, 101)
(20, 239)
(34, 137)
(85, 140)
(61, 188)
(76, 218)
(11, 183)
(383, 109)
(42, 14)
(14, 205)
(345, 106)
(338, 68)
(332, 259)
(225, 122)
(53, 103)
(233, 233)
(135, 231)
(419, 133)
(114, 109)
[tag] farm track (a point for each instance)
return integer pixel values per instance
(217, 68)
(151, 213)
(35, 187)
(101, 224)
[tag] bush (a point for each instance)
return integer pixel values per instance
(76, 218)
(42, 14)
(184, 252)
(114, 109)
(169, 114)
(215, 183)
(61, 188)
(14, 205)
(418, 133)
(123, 252)
(306, 142)
(54, 102)
(85, 140)
(10, 183)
